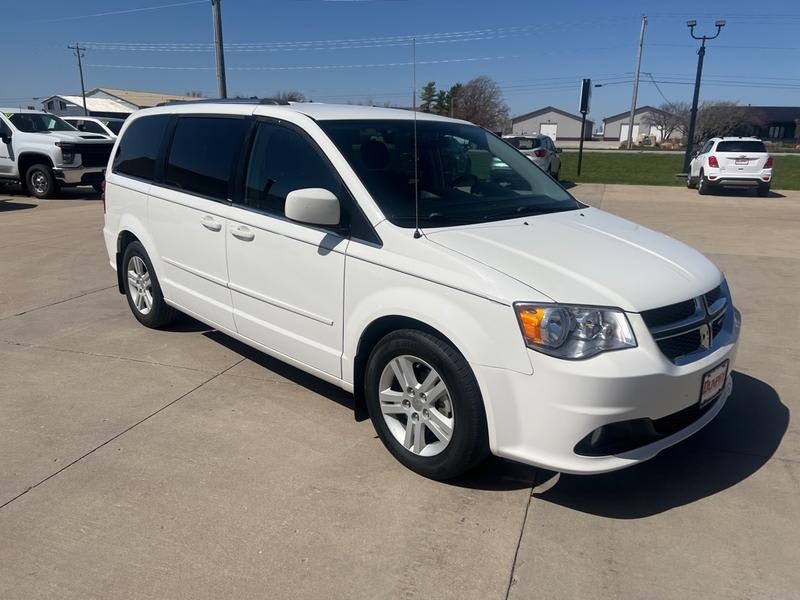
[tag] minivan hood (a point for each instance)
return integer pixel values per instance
(587, 256)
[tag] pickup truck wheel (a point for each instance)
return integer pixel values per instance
(425, 404)
(142, 289)
(40, 181)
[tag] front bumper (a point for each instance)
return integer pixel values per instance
(79, 175)
(539, 419)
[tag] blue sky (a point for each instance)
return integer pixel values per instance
(537, 51)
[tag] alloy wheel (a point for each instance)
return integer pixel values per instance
(39, 182)
(416, 405)
(140, 285)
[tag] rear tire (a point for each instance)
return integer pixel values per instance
(691, 182)
(40, 182)
(98, 187)
(763, 191)
(703, 185)
(143, 290)
(438, 398)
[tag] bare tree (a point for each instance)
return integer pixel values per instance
(671, 117)
(481, 102)
(290, 96)
(721, 118)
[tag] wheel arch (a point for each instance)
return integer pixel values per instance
(132, 230)
(26, 160)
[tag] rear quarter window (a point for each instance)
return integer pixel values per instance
(138, 149)
(742, 146)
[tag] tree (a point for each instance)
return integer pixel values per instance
(427, 96)
(671, 117)
(290, 96)
(721, 118)
(442, 105)
(194, 94)
(480, 101)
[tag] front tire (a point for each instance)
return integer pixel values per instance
(691, 182)
(143, 290)
(40, 181)
(425, 404)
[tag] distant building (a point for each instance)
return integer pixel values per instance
(107, 102)
(615, 127)
(774, 123)
(553, 122)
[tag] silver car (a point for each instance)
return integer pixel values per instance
(541, 150)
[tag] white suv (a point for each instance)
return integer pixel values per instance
(102, 125)
(467, 300)
(731, 162)
(541, 150)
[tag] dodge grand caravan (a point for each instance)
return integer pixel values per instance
(468, 301)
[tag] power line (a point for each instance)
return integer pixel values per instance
(122, 12)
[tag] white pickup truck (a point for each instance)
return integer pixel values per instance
(46, 153)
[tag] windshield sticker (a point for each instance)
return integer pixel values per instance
(8, 115)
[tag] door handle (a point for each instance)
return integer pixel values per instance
(211, 223)
(243, 233)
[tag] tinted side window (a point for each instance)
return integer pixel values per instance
(202, 155)
(282, 161)
(138, 150)
(707, 147)
(93, 127)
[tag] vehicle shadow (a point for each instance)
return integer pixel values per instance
(293, 374)
(9, 206)
(744, 193)
(728, 450)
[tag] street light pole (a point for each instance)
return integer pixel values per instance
(693, 117)
(222, 85)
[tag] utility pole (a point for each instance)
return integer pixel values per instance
(77, 48)
(221, 84)
(636, 83)
(687, 158)
(583, 106)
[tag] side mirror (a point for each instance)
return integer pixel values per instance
(695, 153)
(6, 137)
(315, 206)
(558, 150)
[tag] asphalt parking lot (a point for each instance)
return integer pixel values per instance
(181, 464)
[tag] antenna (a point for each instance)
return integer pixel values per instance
(417, 233)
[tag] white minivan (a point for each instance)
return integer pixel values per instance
(468, 301)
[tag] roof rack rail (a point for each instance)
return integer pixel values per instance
(273, 101)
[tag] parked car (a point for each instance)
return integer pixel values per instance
(468, 301)
(100, 125)
(731, 162)
(541, 150)
(45, 153)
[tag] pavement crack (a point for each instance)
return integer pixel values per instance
(35, 308)
(519, 541)
(100, 355)
(118, 435)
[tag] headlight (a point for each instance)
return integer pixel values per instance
(573, 332)
(67, 151)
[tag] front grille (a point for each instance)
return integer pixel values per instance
(666, 315)
(94, 155)
(713, 295)
(689, 327)
(680, 345)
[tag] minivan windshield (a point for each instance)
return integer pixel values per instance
(465, 174)
(39, 123)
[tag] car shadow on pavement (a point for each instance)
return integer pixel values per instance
(728, 450)
(286, 371)
(12, 206)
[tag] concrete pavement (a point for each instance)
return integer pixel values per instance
(181, 464)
